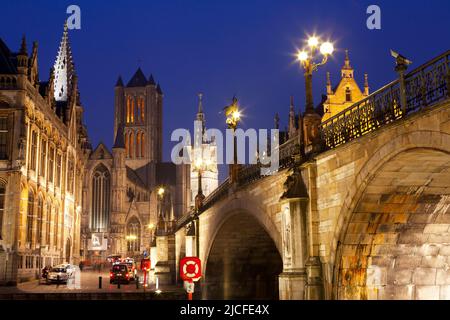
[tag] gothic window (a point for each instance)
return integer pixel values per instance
(142, 110)
(30, 216)
(132, 110)
(33, 151)
(348, 95)
(58, 170)
(133, 235)
(70, 175)
(100, 199)
(51, 162)
(48, 222)
(138, 110)
(126, 145)
(138, 145)
(2, 208)
(131, 144)
(3, 138)
(127, 110)
(40, 212)
(55, 227)
(43, 152)
(142, 144)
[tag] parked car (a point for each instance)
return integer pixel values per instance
(58, 274)
(120, 273)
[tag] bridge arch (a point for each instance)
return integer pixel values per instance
(242, 252)
(390, 231)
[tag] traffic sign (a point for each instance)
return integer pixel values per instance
(190, 269)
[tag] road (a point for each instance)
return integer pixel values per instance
(89, 283)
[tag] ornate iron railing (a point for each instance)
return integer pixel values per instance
(425, 86)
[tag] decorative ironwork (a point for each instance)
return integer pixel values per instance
(425, 86)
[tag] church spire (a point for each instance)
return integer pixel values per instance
(347, 70)
(366, 84)
(292, 128)
(200, 115)
(329, 90)
(119, 143)
(64, 68)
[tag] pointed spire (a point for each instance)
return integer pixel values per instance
(138, 79)
(347, 70)
(23, 47)
(366, 84)
(329, 90)
(347, 59)
(158, 89)
(277, 121)
(119, 82)
(200, 105)
(119, 143)
(200, 114)
(64, 68)
(151, 81)
(292, 127)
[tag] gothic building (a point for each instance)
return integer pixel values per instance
(205, 155)
(129, 192)
(336, 100)
(43, 151)
(346, 93)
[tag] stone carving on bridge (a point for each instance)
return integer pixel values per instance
(287, 235)
(190, 229)
(294, 186)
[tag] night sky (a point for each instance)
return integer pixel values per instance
(221, 48)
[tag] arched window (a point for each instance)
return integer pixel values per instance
(56, 227)
(40, 212)
(130, 145)
(138, 145)
(138, 110)
(143, 144)
(142, 109)
(2, 208)
(133, 236)
(100, 199)
(128, 110)
(30, 216)
(348, 95)
(48, 220)
(132, 110)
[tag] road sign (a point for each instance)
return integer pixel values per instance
(190, 269)
(189, 286)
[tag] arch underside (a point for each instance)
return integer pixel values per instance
(397, 242)
(243, 262)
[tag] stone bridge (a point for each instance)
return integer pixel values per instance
(362, 214)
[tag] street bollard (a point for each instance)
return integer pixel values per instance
(137, 282)
(57, 281)
(118, 283)
(99, 282)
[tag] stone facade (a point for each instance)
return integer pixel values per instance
(44, 148)
(130, 193)
(370, 223)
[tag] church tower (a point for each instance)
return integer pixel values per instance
(138, 106)
(207, 152)
(346, 93)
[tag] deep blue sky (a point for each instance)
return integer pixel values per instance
(221, 48)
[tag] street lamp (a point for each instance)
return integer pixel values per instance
(233, 117)
(307, 58)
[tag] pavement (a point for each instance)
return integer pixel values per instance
(89, 283)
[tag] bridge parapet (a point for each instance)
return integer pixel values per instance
(425, 86)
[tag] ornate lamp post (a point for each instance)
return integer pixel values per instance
(233, 117)
(307, 58)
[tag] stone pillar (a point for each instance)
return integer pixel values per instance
(165, 255)
(292, 281)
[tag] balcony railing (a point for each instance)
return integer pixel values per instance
(425, 86)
